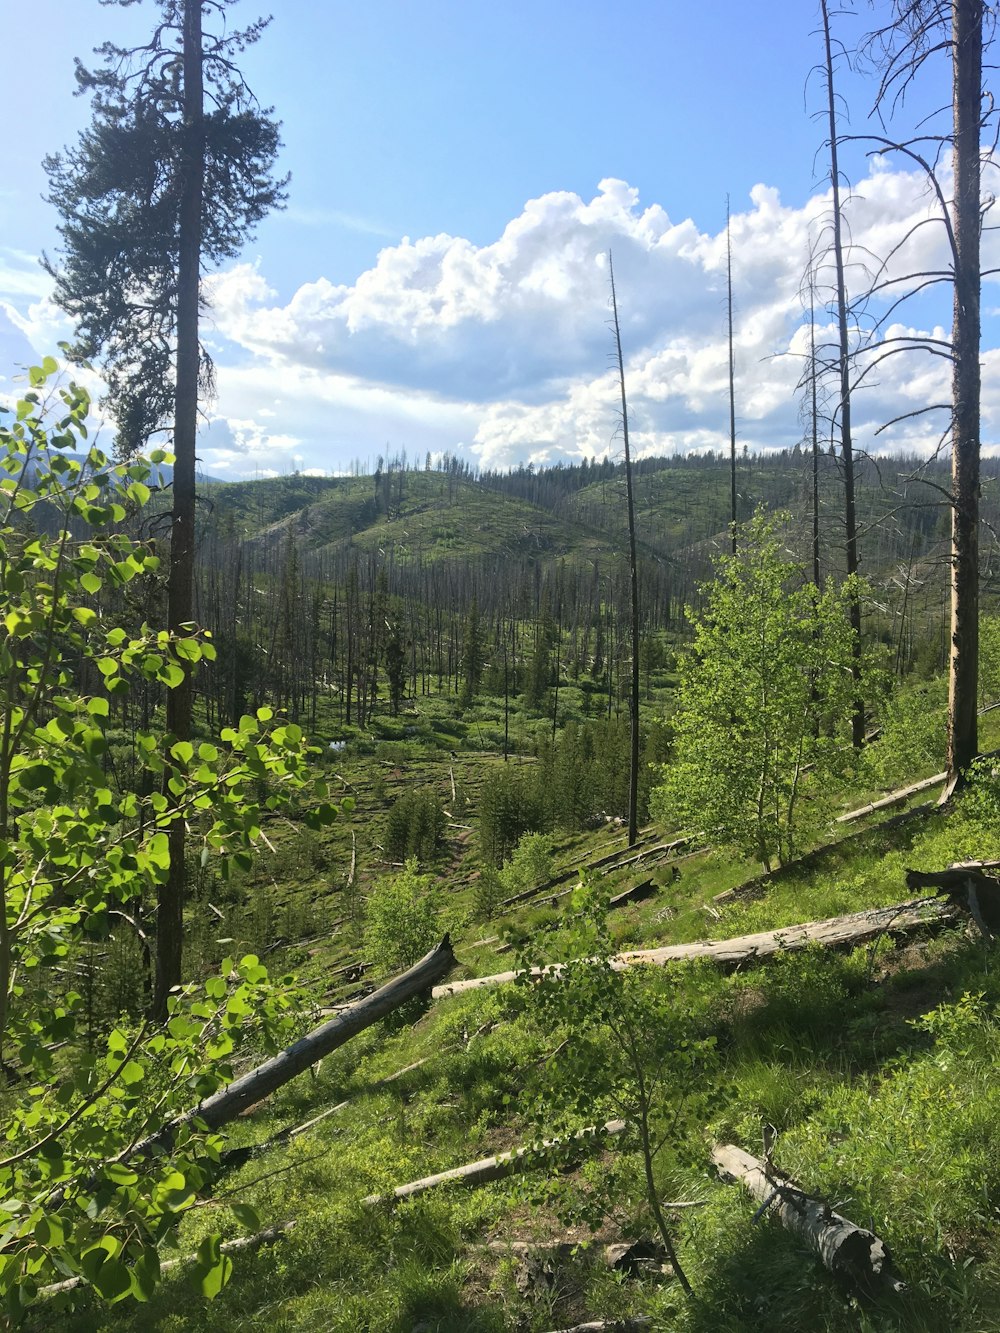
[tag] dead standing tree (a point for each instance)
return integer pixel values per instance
(633, 775)
(920, 31)
(844, 374)
(732, 377)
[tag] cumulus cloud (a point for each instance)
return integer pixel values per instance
(504, 348)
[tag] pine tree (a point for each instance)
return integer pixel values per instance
(155, 187)
(472, 656)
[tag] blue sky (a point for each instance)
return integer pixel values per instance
(458, 171)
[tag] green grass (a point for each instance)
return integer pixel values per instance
(887, 1114)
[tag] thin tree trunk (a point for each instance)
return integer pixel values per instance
(846, 444)
(967, 57)
(732, 379)
(170, 902)
(633, 776)
(814, 422)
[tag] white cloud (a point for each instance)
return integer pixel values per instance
(504, 349)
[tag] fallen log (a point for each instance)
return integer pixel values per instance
(853, 1254)
(239, 1244)
(636, 894)
(487, 1168)
(228, 1102)
(601, 861)
(831, 933)
(537, 889)
(632, 1324)
(661, 849)
(622, 1256)
(893, 798)
(967, 888)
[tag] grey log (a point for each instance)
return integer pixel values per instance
(226, 1104)
(834, 932)
(487, 1168)
(853, 1254)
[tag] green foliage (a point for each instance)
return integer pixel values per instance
(585, 770)
(117, 191)
(539, 675)
(917, 1111)
(395, 666)
(401, 920)
(472, 657)
(511, 803)
(761, 699)
(77, 855)
(414, 827)
(530, 864)
(989, 660)
(912, 745)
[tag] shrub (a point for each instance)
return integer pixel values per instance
(401, 920)
(530, 864)
(914, 734)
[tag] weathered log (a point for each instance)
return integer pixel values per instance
(488, 1168)
(538, 889)
(832, 933)
(894, 798)
(632, 1324)
(605, 862)
(637, 894)
(853, 1254)
(633, 1256)
(252, 1087)
(661, 849)
(602, 863)
(239, 1244)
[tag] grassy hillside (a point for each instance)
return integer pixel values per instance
(877, 1068)
(418, 516)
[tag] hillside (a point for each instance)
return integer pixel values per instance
(868, 1064)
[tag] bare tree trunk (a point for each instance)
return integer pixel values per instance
(732, 379)
(170, 902)
(814, 427)
(846, 444)
(967, 60)
(633, 776)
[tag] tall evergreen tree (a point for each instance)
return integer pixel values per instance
(174, 170)
(472, 656)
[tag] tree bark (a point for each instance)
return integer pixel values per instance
(231, 1101)
(732, 380)
(967, 57)
(180, 589)
(487, 1168)
(893, 798)
(853, 1254)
